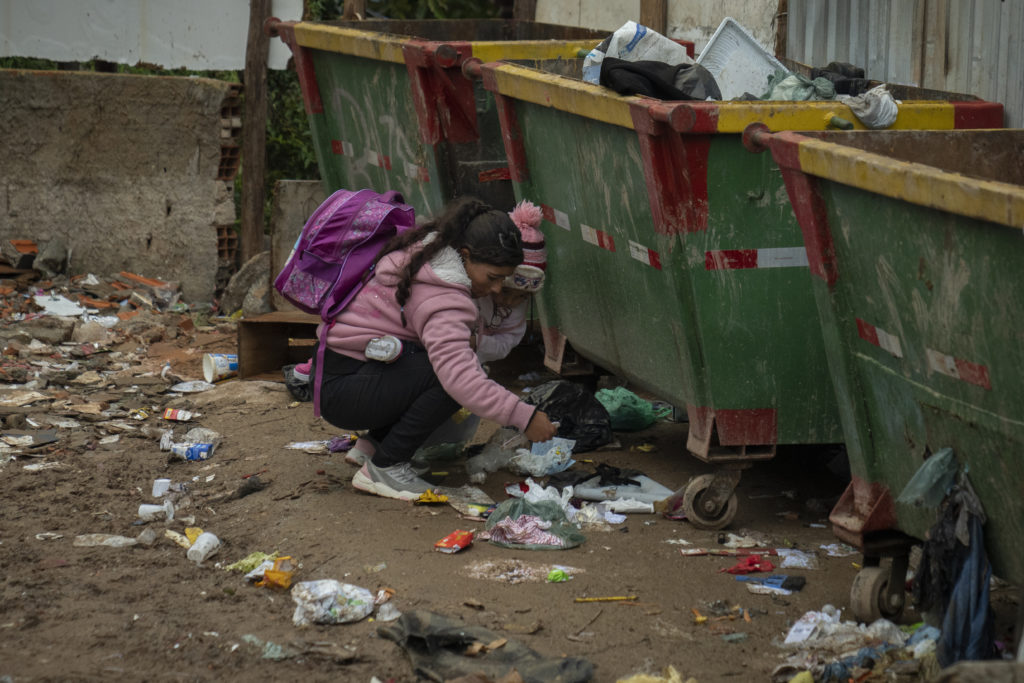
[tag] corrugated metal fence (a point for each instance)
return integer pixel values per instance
(967, 46)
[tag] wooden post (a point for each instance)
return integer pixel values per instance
(526, 10)
(254, 130)
(354, 9)
(654, 15)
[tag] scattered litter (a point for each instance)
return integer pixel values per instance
(796, 559)
(203, 547)
(311, 447)
(54, 304)
(251, 562)
(677, 541)
(192, 387)
(839, 550)
(108, 540)
(783, 581)
(177, 415)
(543, 458)
(558, 576)
(454, 542)
(515, 571)
(49, 536)
(40, 466)
(751, 563)
(330, 602)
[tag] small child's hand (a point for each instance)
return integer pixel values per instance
(541, 428)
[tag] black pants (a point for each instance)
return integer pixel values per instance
(400, 403)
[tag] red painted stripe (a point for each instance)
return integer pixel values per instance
(973, 373)
(338, 147)
(730, 259)
(705, 118)
(548, 214)
(605, 241)
(307, 74)
(977, 115)
(495, 174)
(867, 332)
(655, 259)
(511, 133)
(809, 208)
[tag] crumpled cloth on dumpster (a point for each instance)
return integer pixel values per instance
(876, 108)
(633, 42)
(847, 78)
(797, 87)
(581, 417)
(437, 647)
(660, 80)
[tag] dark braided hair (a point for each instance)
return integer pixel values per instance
(489, 235)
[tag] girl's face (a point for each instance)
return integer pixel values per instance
(486, 279)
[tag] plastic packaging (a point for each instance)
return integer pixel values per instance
(330, 602)
(108, 540)
(193, 451)
(204, 547)
(543, 458)
(156, 513)
(177, 415)
(160, 487)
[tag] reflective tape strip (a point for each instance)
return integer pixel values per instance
(644, 255)
(378, 159)
(742, 259)
(553, 215)
(598, 238)
(958, 368)
(417, 172)
(880, 338)
(342, 147)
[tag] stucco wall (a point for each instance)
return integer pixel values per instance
(124, 168)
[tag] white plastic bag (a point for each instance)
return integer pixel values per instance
(330, 602)
(633, 42)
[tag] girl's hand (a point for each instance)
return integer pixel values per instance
(540, 427)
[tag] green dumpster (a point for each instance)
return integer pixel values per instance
(675, 260)
(390, 109)
(914, 239)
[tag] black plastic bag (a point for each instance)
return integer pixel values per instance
(580, 415)
(658, 79)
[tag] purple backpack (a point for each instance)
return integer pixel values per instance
(333, 256)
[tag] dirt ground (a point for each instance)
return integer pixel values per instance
(72, 613)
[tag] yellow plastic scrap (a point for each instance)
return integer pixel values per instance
(698, 618)
(178, 538)
(669, 675)
(428, 497)
(644, 447)
(280, 576)
(802, 677)
(192, 533)
(250, 562)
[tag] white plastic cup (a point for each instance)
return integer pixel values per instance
(217, 366)
(205, 545)
(161, 487)
(155, 513)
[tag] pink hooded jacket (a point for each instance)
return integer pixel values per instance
(439, 314)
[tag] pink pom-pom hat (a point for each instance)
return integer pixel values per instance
(529, 275)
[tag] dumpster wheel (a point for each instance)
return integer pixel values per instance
(701, 508)
(870, 599)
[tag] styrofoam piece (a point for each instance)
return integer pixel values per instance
(737, 61)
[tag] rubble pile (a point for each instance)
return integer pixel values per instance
(77, 357)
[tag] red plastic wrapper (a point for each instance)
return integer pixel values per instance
(454, 542)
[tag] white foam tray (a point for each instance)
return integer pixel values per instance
(737, 61)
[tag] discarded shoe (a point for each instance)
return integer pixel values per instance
(297, 383)
(397, 481)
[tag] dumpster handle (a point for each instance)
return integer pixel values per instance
(757, 137)
(272, 26)
(471, 68)
(446, 56)
(680, 117)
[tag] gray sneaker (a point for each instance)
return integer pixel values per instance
(398, 481)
